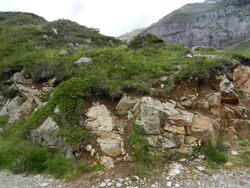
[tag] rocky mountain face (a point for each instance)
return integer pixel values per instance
(128, 36)
(216, 24)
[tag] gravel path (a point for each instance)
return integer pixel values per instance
(220, 179)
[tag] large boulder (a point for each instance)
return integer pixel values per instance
(241, 77)
(47, 134)
(149, 115)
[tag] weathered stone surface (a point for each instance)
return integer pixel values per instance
(242, 127)
(174, 129)
(12, 109)
(245, 103)
(107, 161)
(126, 104)
(149, 113)
(198, 27)
(203, 128)
(83, 61)
(186, 102)
(214, 99)
(228, 94)
(27, 108)
(241, 77)
(204, 104)
(47, 134)
(18, 78)
(99, 119)
(110, 144)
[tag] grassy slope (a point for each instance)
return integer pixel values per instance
(114, 71)
(242, 47)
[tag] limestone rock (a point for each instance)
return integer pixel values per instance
(47, 134)
(203, 128)
(18, 78)
(111, 144)
(186, 102)
(83, 61)
(99, 119)
(228, 94)
(107, 161)
(214, 99)
(174, 129)
(126, 104)
(241, 77)
(12, 109)
(150, 112)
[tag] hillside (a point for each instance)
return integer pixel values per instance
(73, 101)
(242, 47)
(216, 24)
(127, 37)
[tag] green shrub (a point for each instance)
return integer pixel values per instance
(140, 147)
(144, 40)
(215, 153)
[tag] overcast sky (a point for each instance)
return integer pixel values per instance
(112, 17)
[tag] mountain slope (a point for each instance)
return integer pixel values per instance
(128, 36)
(214, 24)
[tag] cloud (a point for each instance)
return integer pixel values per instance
(112, 17)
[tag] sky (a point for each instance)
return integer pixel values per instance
(112, 17)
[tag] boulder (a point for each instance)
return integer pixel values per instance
(228, 94)
(12, 109)
(64, 52)
(99, 119)
(126, 104)
(241, 77)
(83, 61)
(18, 78)
(47, 134)
(203, 128)
(151, 112)
(110, 144)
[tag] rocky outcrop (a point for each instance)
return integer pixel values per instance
(47, 134)
(241, 78)
(217, 25)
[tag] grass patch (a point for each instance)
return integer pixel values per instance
(215, 153)
(10, 93)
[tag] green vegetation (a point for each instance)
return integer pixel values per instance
(140, 147)
(10, 93)
(216, 154)
(21, 156)
(145, 40)
(29, 43)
